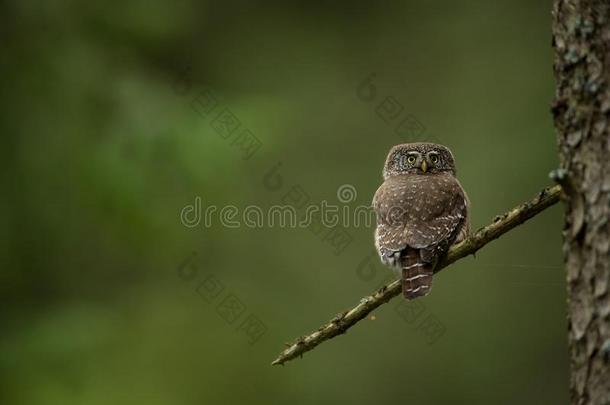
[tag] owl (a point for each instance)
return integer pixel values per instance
(421, 210)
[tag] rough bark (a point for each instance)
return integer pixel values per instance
(581, 38)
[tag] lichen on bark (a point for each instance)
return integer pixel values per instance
(581, 39)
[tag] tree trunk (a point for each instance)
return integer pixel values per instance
(581, 110)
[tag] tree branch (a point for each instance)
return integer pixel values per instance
(501, 224)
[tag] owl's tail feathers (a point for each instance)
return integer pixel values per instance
(416, 275)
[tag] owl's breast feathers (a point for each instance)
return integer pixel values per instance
(420, 211)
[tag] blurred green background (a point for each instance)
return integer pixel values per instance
(108, 298)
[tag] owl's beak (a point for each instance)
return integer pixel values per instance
(424, 166)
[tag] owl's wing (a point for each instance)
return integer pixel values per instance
(422, 212)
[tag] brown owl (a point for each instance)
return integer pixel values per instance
(421, 211)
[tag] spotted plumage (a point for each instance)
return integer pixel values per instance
(421, 211)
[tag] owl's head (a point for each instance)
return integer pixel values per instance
(418, 158)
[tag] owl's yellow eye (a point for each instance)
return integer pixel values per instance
(434, 159)
(411, 159)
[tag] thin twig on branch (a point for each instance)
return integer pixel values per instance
(500, 225)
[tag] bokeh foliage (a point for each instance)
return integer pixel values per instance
(101, 150)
